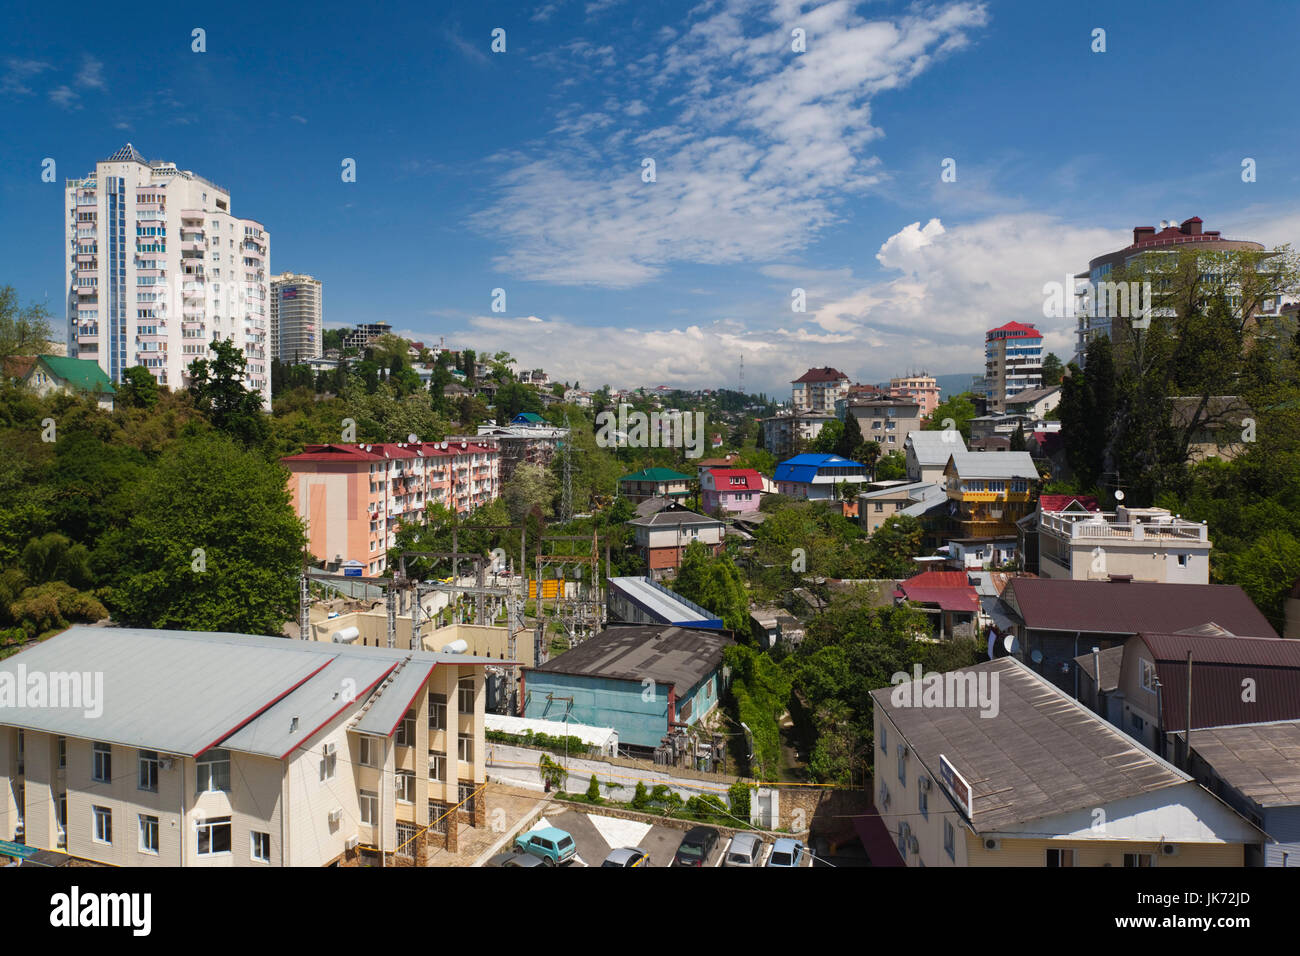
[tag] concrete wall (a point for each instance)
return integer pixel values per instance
(601, 702)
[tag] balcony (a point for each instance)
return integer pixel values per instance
(1108, 526)
(87, 290)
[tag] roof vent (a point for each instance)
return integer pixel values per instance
(1121, 578)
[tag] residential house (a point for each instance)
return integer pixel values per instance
(210, 749)
(1020, 774)
(947, 597)
(642, 680)
(817, 390)
(663, 536)
(923, 389)
(927, 453)
(887, 420)
(1148, 544)
(736, 490)
(55, 373)
(1027, 527)
(817, 477)
(1034, 403)
(529, 441)
(787, 431)
(654, 483)
(988, 492)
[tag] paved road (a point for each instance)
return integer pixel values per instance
(596, 835)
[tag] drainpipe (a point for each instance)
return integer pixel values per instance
(1187, 731)
(1076, 664)
(1096, 669)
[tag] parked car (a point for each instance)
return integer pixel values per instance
(746, 849)
(549, 842)
(787, 852)
(519, 859)
(627, 856)
(696, 846)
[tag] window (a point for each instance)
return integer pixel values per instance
(22, 746)
(923, 802)
(1182, 560)
(148, 779)
(261, 851)
(1139, 859)
(879, 505)
(1137, 723)
(465, 747)
(465, 695)
(369, 756)
(369, 807)
(148, 834)
(214, 772)
(406, 840)
(101, 767)
(437, 767)
(950, 840)
(406, 730)
(103, 824)
(1148, 675)
(214, 836)
(437, 712)
(884, 740)
(902, 764)
(1056, 858)
(406, 786)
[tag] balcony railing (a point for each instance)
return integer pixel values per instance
(1084, 528)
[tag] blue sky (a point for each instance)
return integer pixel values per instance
(821, 170)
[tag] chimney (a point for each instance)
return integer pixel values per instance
(1143, 232)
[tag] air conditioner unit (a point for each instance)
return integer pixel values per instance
(329, 750)
(352, 842)
(166, 763)
(336, 815)
(1169, 849)
(992, 843)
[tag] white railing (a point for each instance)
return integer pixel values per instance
(1079, 528)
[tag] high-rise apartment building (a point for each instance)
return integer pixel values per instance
(297, 310)
(922, 388)
(1013, 363)
(158, 268)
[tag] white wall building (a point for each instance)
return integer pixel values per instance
(158, 268)
(297, 314)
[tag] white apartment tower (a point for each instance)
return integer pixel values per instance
(296, 313)
(159, 268)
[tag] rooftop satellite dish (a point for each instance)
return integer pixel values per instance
(1164, 223)
(1013, 646)
(1119, 496)
(1036, 657)
(411, 438)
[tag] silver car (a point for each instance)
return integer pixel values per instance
(746, 849)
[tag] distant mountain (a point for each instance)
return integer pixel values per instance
(954, 384)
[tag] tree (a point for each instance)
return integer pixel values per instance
(851, 442)
(892, 467)
(958, 411)
(515, 398)
(218, 391)
(868, 455)
(893, 546)
(531, 486)
(1018, 438)
(593, 790)
(139, 389)
(23, 331)
(828, 438)
(213, 543)
(715, 585)
(1053, 370)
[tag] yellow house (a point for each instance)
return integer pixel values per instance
(989, 491)
(993, 766)
(172, 748)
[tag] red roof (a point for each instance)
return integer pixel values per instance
(951, 590)
(1017, 330)
(1061, 502)
(383, 451)
(722, 479)
(826, 374)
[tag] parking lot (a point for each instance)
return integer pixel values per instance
(596, 835)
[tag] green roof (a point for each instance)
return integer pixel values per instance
(84, 374)
(656, 474)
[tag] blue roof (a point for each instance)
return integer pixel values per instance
(804, 468)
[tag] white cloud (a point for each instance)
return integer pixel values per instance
(765, 145)
(91, 74)
(65, 97)
(16, 74)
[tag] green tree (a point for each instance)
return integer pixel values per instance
(23, 331)
(213, 543)
(530, 486)
(139, 389)
(1053, 370)
(593, 790)
(828, 439)
(715, 585)
(959, 410)
(217, 387)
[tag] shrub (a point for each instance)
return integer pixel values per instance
(738, 794)
(593, 790)
(640, 799)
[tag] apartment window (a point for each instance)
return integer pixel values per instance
(1148, 675)
(950, 840)
(465, 747)
(22, 746)
(902, 764)
(406, 840)
(369, 755)
(1056, 858)
(884, 740)
(465, 695)
(1137, 723)
(214, 772)
(1139, 859)
(437, 712)
(465, 796)
(1182, 560)
(437, 767)
(406, 786)
(101, 767)
(369, 807)
(214, 836)
(261, 850)
(923, 802)
(880, 505)
(148, 834)
(103, 824)
(329, 758)
(148, 771)
(406, 730)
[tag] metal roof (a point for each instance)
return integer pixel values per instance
(1259, 761)
(388, 710)
(655, 599)
(183, 692)
(670, 517)
(1041, 755)
(994, 464)
(677, 656)
(934, 448)
(1112, 659)
(1127, 607)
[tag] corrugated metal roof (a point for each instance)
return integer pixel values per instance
(1041, 755)
(1221, 666)
(668, 607)
(1259, 761)
(934, 448)
(182, 692)
(1127, 607)
(678, 656)
(391, 706)
(994, 464)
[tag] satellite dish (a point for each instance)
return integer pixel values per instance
(411, 438)
(1036, 657)
(1119, 496)
(1164, 223)
(1013, 646)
